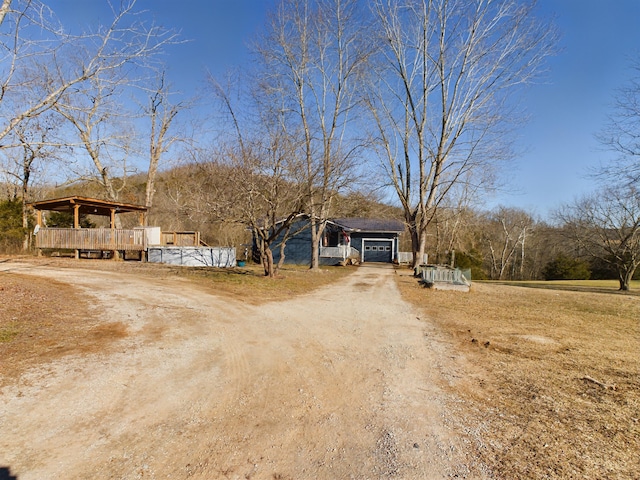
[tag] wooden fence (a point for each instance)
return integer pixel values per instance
(91, 239)
(181, 239)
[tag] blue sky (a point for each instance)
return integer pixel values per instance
(598, 44)
(566, 108)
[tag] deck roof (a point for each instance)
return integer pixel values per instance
(87, 206)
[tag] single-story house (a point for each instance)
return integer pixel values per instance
(362, 239)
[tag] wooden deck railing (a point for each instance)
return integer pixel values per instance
(90, 239)
(181, 239)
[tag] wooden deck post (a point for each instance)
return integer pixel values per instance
(116, 255)
(39, 215)
(76, 224)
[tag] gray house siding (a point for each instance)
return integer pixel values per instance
(298, 247)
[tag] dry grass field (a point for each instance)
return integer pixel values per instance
(549, 379)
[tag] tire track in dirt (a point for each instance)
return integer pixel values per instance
(339, 383)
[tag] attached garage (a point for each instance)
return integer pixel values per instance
(377, 250)
(376, 240)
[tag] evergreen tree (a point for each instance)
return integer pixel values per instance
(565, 268)
(11, 231)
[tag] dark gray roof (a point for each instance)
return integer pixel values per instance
(369, 224)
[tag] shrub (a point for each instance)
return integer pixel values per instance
(11, 232)
(471, 260)
(566, 268)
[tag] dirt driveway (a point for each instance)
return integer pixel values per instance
(341, 383)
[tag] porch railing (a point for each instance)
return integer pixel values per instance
(341, 251)
(90, 239)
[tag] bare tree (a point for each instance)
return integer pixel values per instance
(606, 226)
(41, 62)
(451, 222)
(22, 163)
(96, 115)
(161, 113)
(34, 137)
(446, 70)
(97, 109)
(264, 174)
(314, 58)
(505, 234)
(271, 201)
(621, 135)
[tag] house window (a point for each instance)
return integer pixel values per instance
(374, 248)
(367, 248)
(387, 248)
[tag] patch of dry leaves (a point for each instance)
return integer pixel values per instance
(548, 381)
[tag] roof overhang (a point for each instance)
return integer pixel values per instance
(368, 225)
(87, 206)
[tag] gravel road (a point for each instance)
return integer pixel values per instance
(346, 382)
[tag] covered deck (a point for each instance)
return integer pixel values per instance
(90, 239)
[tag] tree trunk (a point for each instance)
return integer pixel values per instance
(25, 210)
(281, 259)
(415, 239)
(267, 263)
(624, 277)
(29, 156)
(624, 284)
(283, 245)
(524, 236)
(26, 244)
(422, 245)
(316, 237)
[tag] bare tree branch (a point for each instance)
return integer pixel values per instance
(440, 99)
(621, 135)
(314, 58)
